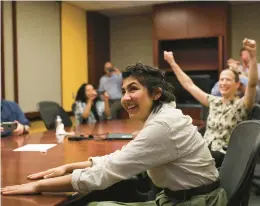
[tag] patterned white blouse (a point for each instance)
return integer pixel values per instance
(80, 108)
(222, 119)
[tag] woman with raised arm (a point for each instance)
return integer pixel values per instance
(168, 147)
(227, 111)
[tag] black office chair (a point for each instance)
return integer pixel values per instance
(238, 166)
(49, 112)
(73, 107)
(255, 115)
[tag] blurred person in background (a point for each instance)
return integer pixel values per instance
(111, 83)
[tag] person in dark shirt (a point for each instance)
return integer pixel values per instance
(11, 112)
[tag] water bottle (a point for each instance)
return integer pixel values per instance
(59, 125)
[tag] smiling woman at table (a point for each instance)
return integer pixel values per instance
(169, 147)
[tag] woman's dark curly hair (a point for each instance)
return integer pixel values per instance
(81, 94)
(81, 97)
(151, 78)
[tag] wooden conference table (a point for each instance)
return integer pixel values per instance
(15, 166)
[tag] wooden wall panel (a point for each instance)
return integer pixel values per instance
(206, 20)
(190, 25)
(98, 45)
(171, 22)
(190, 20)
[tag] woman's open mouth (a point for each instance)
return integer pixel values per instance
(132, 108)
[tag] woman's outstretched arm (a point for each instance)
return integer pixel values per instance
(186, 81)
(57, 184)
(107, 106)
(250, 94)
(60, 171)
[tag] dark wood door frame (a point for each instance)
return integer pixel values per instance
(98, 45)
(15, 57)
(2, 54)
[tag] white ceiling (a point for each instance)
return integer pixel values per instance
(119, 8)
(103, 5)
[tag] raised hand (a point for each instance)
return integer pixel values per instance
(233, 63)
(93, 96)
(54, 172)
(168, 56)
(117, 71)
(250, 46)
(29, 188)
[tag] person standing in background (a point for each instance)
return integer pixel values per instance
(111, 83)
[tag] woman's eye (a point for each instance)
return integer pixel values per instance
(133, 89)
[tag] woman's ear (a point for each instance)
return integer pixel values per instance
(157, 93)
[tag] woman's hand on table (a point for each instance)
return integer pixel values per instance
(28, 188)
(54, 172)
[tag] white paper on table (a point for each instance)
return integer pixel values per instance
(35, 147)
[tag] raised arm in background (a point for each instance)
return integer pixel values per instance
(185, 80)
(107, 106)
(250, 94)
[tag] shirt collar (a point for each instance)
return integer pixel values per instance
(164, 106)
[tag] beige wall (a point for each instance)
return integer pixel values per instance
(131, 40)
(39, 58)
(245, 22)
(8, 50)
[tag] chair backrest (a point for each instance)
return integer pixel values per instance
(49, 111)
(255, 113)
(73, 107)
(204, 113)
(238, 166)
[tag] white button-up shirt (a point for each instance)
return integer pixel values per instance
(169, 147)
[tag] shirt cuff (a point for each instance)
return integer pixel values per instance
(95, 160)
(76, 174)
